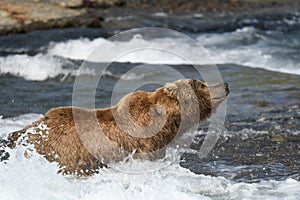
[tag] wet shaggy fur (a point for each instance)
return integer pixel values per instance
(81, 141)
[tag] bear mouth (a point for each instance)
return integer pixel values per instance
(222, 91)
(220, 98)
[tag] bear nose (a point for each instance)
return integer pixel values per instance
(226, 88)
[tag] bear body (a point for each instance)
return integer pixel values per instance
(82, 141)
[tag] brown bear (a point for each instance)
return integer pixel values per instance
(82, 141)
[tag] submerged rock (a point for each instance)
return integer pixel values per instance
(24, 16)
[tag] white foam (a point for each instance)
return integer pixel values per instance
(246, 46)
(9, 125)
(78, 49)
(258, 50)
(160, 14)
(160, 51)
(256, 58)
(39, 67)
(35, 178)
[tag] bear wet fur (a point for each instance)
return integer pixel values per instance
(70, 136)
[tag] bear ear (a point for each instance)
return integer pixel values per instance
(171, 86)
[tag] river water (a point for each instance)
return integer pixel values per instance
(257, 156)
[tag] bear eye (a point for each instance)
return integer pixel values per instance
(202, 86)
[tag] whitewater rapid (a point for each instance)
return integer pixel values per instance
(247, 46)
(36, 178)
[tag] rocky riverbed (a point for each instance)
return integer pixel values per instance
(18, 16)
